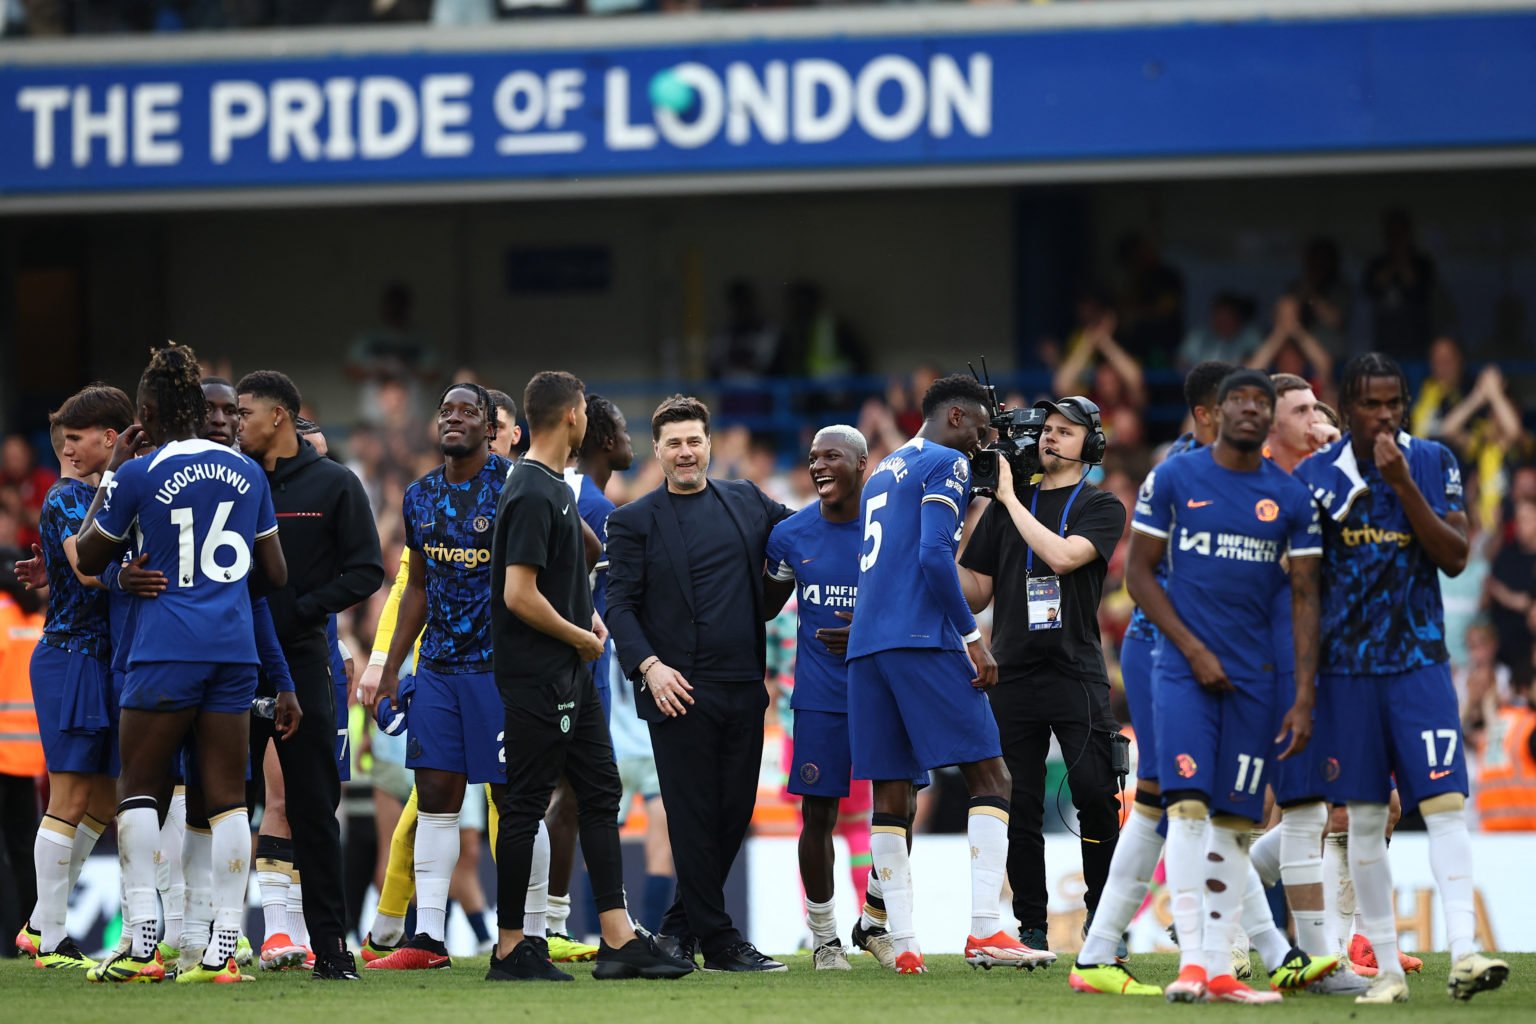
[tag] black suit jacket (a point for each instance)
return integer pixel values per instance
(650, 583)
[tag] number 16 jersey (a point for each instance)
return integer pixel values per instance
(897, 608)
(198, 508)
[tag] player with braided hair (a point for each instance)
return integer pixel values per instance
(204, 513)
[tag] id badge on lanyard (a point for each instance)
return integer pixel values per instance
(1044, 592)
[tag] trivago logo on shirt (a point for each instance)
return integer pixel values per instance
(1354, 537)
(469, 558)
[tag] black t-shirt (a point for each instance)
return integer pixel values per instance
(1516, 570)
(998, 550)
(723, 573)
(537, 524)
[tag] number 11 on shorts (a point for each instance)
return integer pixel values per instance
(1249, 771)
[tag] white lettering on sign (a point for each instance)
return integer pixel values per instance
(297, 118)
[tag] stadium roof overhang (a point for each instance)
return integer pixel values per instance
(771, 101)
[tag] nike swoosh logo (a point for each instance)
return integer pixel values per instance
(1440, 774)
(565, 510)
(1192, 503)
(807, 561)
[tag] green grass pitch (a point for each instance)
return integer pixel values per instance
(952, 991)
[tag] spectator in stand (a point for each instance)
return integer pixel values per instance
(1486, 433)
(1483, 680)
(23, 487)
(816, 342)
(1442, 390)
(1151, 303)
(1510, 585)
(1229, 336)
(393, 352)
(745, 348)
(1096, 363)
(1464, 595)
(1401, 285)
(1292, 349)
(1324, 296)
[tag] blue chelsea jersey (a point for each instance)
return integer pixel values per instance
(898, 609)
(1226, 532)
(594, 508)
(75, 611)
(823, 559)
(448, 525)
(197, 509)
(1382, 611)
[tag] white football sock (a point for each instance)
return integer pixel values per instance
(1301, 868)
(557, 912)
(297, 929)
(387, 929)
(51, 852)
(888, 849)
(1338, 890)
(537, 900)
(1130, 874)
(138, 837)
(437, 851)
(272, 879)
(230, 850)
(1184, 865)
(1227, 873)
(1265, 856)
(87, 834)
(172, 883)
(1450, 858)
(197, 868)
(822, 920)
(1258, 925)
(987, 829)
(1372, 873)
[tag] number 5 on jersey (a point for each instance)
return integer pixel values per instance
(872, 530)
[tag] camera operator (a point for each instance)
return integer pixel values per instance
(1042, 552)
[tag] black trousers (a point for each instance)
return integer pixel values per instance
(1027, 713)
(313, 788)
(554, 727)
(707, 762)
(19, 815)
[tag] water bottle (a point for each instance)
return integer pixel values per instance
(264, 707)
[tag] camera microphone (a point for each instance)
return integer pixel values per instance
(1068, 458)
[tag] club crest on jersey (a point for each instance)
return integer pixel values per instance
(809, 773)
(1186, 767)
(481, 524)
(1266, 510)
(962, 470)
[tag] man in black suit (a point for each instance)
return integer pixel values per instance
(685, 607)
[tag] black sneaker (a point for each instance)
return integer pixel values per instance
(528, 961)
(335, 967)
(683, 947)
(743, 957)
(640, 957)
(1034, 938)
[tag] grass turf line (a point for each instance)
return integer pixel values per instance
(952, 991)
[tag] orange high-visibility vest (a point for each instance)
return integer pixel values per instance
(1506, 787)
(21, 748)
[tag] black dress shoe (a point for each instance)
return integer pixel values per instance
(683, 947)
(335, 967)
(640, 957)
(528, 961)
(743, 956)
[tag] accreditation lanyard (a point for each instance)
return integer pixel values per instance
(1043, 593)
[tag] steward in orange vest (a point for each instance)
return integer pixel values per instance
(1506, 787)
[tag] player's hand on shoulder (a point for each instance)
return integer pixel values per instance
(287, 715)
(1390, 461)
(836, 640)
(984, 664)
(139, 581)
(1208, 671)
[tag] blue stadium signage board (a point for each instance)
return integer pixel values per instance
(1015, 97)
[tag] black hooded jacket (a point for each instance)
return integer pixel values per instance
(331, 545)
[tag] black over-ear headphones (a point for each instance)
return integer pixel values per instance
(1095, 444)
